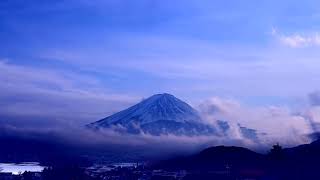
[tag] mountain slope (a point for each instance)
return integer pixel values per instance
(158, 114)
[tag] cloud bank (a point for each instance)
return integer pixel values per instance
(272, 123)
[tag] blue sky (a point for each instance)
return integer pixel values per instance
(92, 58)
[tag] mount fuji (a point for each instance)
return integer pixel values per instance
(157, 115)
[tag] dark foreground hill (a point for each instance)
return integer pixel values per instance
(215, 158)
(221, 162)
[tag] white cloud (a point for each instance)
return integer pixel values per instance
(279, 123)
(301, 41)
(298, 40)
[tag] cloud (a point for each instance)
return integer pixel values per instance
(312, 114)
(54, 96)
(314, 98)
(298, 40)
(112, 143)
(273, 123)
(181, 65)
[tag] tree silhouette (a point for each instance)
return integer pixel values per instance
(276, 152)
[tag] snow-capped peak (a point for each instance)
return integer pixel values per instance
(160, 112)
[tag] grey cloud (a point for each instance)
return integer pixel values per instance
(314, 98)
(108, 141)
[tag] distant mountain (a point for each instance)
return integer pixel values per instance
(156, 115)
